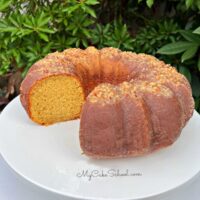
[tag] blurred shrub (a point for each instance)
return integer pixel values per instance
(115, 35)
(155, 34)
(31, 29)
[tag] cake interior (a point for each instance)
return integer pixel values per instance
(56, 98)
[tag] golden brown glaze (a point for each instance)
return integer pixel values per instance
(135, 103)
(40, 70)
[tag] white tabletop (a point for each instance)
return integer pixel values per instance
(13, 187)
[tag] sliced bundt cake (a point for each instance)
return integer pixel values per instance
(129, 104)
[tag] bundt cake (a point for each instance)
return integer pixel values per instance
(129, 104)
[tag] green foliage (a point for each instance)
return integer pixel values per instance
(101, 34)
(4, 4)
(154, 35)
(80, 17)
(197, 31)
(31, 29)
(114, 35)
(149, 3)
(189, 46)
(53, 26)
(192, 4)
(185, 4)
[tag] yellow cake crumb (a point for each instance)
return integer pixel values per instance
(56, 98)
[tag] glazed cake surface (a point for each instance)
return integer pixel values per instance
(129, 104)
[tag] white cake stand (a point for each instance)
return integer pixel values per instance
(50, 157)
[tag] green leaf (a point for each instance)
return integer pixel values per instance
(13, 21)
(198, 64)
(77, 43)
(174, 48)
(189, 36)
(85, 44)
(46, 30)
(46, 49)
(42, 19)
(71, 40)
(124, 31)
(43, 36)
(87, 22)
(106, 28)
(30, 26)
(4, 4)
(90, 11)
(26, 32)
(198, 4)
(197, 31)
(86, 33)
(92, 2)
(71, 9)
(8, 29)
(149, 3)
(189, 53)
(197, 103)
(26, 70)
(183, 70)
(75, 30)
(188, 3)
(195, 86)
